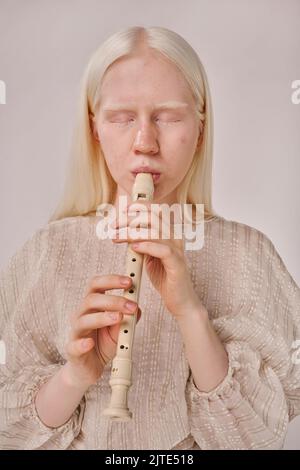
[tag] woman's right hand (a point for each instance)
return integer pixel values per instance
(95, 329)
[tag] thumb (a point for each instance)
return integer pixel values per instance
(139, 314)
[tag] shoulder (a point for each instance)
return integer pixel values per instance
(64, 229)
(239, 234)
(48, 241)
(250, 249)
(66, 226)
(240, 246)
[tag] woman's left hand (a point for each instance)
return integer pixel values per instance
(164, 258)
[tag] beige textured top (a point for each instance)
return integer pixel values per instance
(253, 303)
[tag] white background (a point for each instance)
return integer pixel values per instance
(251, 52)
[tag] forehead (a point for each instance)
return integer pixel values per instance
(171, 104)
(150, 78)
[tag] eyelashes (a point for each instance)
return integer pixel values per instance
(125, 123)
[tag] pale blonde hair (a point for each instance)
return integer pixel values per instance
(88, 180)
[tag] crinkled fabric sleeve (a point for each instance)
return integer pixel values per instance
(251, 407)
(29, 356)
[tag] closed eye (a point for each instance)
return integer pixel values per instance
(169, 120)
(122, 122)
(157, 119)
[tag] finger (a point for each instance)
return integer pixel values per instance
(142, 219)
(131, 234)
(164, 251)
(135, 224)
(139, 314)
(79, 346)
(87, 323)
(121, 217)
(138, 206)
(151, 213)
(147, 228)
(103, 283)
(172, 216)
(104, 302)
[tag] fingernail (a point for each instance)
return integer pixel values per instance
(125, 281)
(114, 316)
(130, 305)
(85, 343)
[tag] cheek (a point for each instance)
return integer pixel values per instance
(110, 146)
(186, 139)
(110, 152)
(104, 135)
(185, 152)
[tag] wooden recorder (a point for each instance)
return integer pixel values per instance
(120, 380)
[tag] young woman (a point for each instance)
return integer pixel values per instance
(213, 359)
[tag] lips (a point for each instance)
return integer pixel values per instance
(145, 169)
(155, 176)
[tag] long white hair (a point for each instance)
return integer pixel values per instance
(88, 181)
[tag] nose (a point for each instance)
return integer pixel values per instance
(145, 141)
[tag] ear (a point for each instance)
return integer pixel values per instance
(93, 126)
(200, 138)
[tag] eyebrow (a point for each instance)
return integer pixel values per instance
(165, 105)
